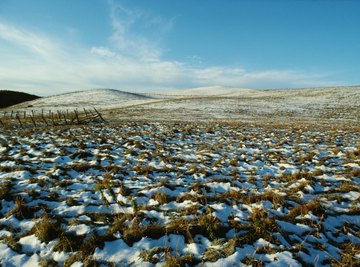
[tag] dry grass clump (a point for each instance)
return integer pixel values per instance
(82, 154)
(166, 183)
(298, 188)
(171, 159)
(192, 197)
(70, 201)
(48, 262)
(123, 189)
(314, 206)
(224, 251)
(47, 229)
(354, 210)
(191, 210)
(302, 175)
(306, 158)
(68, 242)
(135, 231)
(151, 255)
(6, 169)
(119, 223)
(180, 261)
(275, 198)
(162, 198)
(348, 186)
(86, 251)
(12, 242)
(81, 167)
(106, 184)
(317, 172)
(200, 188)
(260, 226)
(205, 224)
(251, 261)
(5, 191)
(21, 210)
(251, 179)
(132, 234)
(348, 256)
(183, 227)
(355, 173)
(145, 170)
(89, 244)
(235, 196)
(210, 226)
(154, 231)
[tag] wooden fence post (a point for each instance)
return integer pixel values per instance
(99, 114)
(33, 120)
(77, 116)
(43, 117)
(52, 118)
(18, 118)
(65, 118)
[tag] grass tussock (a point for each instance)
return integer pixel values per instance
(22, 210)
(275, 198)
(68, 242)
(313, 206)
(180, 261)
(260, 226)
(47, 229)
(152, 255)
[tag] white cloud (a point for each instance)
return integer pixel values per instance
(41, 64)
(130, 28)
(35, 43)
(102, 51)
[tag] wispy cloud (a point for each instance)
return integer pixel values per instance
(22, 38)
(132, 29)
(42, 64)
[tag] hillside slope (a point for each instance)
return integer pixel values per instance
(316, 105)
(100, 98)
(333, 105)
(9, 98)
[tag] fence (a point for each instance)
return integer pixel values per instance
(49, 118)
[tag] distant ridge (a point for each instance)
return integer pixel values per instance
(9, 98)
(102, 98)
(103, 91)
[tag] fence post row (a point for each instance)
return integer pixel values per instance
(67, 117)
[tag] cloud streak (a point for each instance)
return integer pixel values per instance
(38, 63)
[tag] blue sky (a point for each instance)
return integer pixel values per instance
(49, 47)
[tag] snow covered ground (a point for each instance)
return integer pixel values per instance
(100, 98)
(313, 105)
(331, 106)
(177, 194)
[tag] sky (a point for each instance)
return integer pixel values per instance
(50, 47)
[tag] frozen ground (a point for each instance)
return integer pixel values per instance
(177, 194)
(99, 98)
(325, 106)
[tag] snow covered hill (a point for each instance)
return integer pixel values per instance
(317, 105)
(101, 98)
